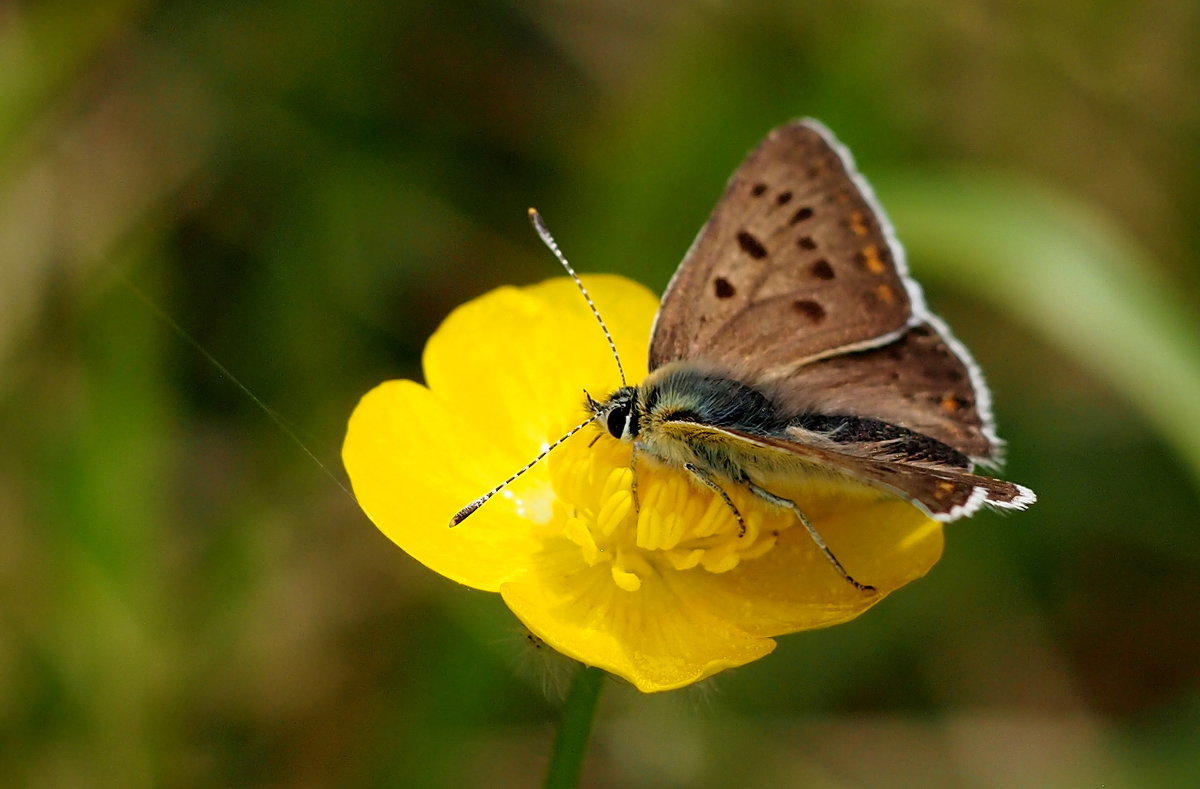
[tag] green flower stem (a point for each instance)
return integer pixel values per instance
(570, 748)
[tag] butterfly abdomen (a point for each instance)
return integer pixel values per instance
(880, 439)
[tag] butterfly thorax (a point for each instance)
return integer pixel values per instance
(678, 413)
(687, 392)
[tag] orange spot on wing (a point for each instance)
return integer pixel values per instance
(950, 403)
(885, 294)
(858, 223)
(871, 259)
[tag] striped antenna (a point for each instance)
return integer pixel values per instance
(547, 239)
(462, 514)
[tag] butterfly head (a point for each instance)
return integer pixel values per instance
(618, 413)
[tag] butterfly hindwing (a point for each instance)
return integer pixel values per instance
(917, 381)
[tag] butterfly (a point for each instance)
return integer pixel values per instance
(792, 341)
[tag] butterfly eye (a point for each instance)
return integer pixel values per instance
(617, 419)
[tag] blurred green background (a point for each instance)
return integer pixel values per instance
(306, 188)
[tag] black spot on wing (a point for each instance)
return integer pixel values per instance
(801, 215)
(809, 309)
(751, 245)
(821, 269)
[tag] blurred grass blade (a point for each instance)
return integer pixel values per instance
(1060, 267)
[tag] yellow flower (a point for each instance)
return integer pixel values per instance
(664, 595)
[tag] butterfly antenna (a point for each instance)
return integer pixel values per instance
(462, 514)
(547, 239)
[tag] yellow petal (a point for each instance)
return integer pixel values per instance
(506, 374)
(411, 469)
(658, 637)
(513, 364)
(880, 541)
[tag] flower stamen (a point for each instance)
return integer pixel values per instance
(678, 526)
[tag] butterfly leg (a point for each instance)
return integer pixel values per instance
(637, 507)
(706, 479)
(779, 501)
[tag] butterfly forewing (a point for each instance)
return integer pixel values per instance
(793, 265)
(797, 284)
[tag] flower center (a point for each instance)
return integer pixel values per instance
(677, 524)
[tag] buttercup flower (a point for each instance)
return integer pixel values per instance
(664, 594)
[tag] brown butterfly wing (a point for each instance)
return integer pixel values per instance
(797, 284)
(793, 265)
(922, 381)
(944, 493)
